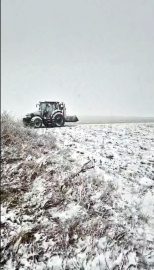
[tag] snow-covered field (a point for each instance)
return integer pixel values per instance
(84, 202)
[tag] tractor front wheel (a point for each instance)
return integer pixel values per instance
(36, 122)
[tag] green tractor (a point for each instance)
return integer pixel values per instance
(49, 114)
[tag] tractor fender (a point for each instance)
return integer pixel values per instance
(55, 112)
(35, 117)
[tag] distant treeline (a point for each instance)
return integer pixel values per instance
(108, 119)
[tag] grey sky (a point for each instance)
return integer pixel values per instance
(80, 52)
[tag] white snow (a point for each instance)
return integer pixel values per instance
(109, 201)
(72, 211)
(146, 182)
(54, 263)
(3, 219)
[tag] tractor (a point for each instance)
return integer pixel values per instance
(49, 114)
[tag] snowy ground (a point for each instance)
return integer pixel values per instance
(86, 203)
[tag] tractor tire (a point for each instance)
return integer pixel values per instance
(36, 122)
(58, 120)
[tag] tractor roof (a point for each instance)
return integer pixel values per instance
(49, 101)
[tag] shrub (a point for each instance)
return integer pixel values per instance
(14, 133)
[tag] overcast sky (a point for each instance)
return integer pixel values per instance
(95, 55)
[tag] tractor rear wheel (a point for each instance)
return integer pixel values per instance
(58, 120)
(36, 122)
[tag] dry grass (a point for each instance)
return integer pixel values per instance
(13, 133)
(19, 143)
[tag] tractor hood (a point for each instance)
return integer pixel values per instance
(34, 113)
(37, 113)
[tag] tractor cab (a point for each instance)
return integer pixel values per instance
(48, 107)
